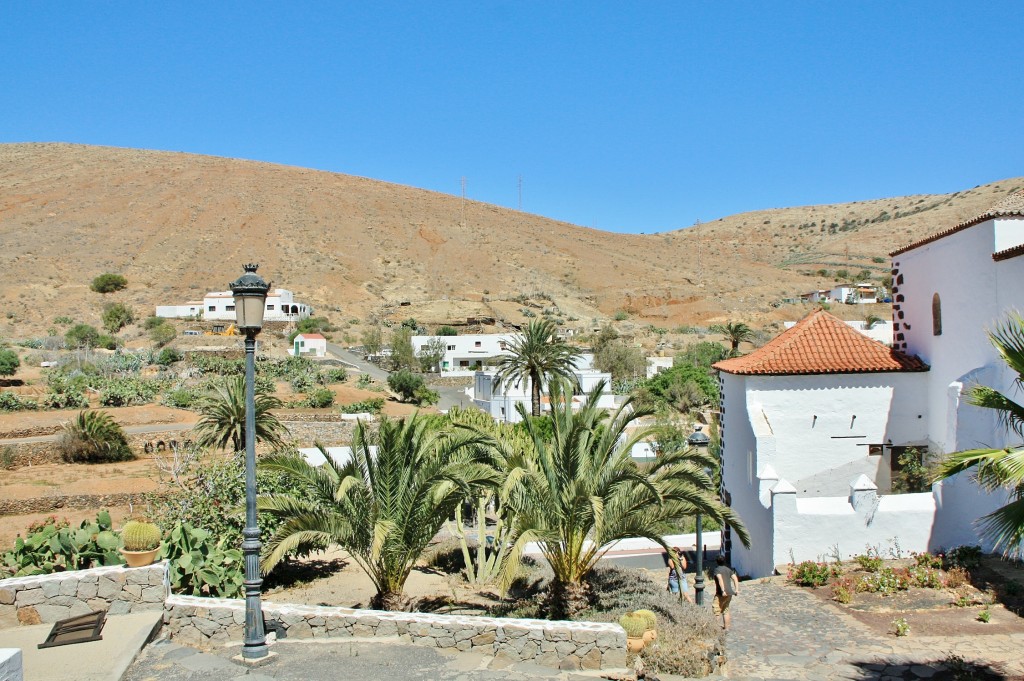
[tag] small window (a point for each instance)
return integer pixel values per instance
(212, 308)
(476, 344)
(230, 308)
(451, 347)
(501, 344)
(936, 315)
(424, 347)
(270, 307)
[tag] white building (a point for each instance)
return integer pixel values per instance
(880, 331)
(464, 355)
(220, 306)
(656, 365)
(812, 421)
(309, 344)
(849, 294)
(499, 399)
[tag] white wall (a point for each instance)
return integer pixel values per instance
(463, 352)
(223, 304)
(499, 400)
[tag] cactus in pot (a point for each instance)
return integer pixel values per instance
(635, 627)
(651, 621)
(141, 541)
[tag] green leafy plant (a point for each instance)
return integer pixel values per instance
(200, 565)
(900, 626)
(335, 375)
(94, 437)
(319, 398)
(116, 316)
(810, 573)
(927, 560)
(371, 405)
(985, 615)
(870, 562)
(140, 536)
(82, 336)
(886, 581)
(11, 402)
(968, 557)
(223, 417)
(168, 356)
(163, 334)
(9, 362)
(843, 590)
(108, 283)
(123, 391)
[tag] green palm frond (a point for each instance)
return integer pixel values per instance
(537, 356)
(223, 417)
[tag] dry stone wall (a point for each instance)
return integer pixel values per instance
(43, 599)
(209, 622)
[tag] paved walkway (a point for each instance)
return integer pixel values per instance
(778, 633)
(785, 633)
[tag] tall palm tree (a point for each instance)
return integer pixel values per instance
(537, 356)
(223, 417)
(383, 506)
(736, 332)
(579, 491)
(999, 469)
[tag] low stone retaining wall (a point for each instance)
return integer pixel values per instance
(47, 598)
(47, 504)
(207, 622)
(330, 432)
(38, 453)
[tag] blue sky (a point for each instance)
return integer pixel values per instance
(626, 116)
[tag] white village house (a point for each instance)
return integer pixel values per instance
(812, 421)
(220, 306)
(499, 399)
(464, 355)
(309, 345)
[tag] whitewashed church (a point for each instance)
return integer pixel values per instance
(813, 421)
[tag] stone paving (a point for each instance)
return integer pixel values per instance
(779, 632)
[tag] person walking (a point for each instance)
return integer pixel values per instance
(727, 585)
(677, 577)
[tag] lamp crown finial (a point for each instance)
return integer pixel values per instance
(251, 266)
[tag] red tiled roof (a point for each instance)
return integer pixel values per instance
(821, 344)
(1011, 205)
(312, 336)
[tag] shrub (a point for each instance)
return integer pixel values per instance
(320, 398)
(335, 375)
(446, 331)
(82, 336)
(927, 560)
(108, 283)
(985, 615)
(810, 573)
(11, 402)
(925, 577)
(9, 362)
(183, 397)
(162, 335)
(968, 557)
(843, 589)
(153, 322)
(199, 565)
(621, 315)
(900, 626)
(372, 405)
(405, 383)
(116, 316)
(168, 356)
(63, 320)
(425, 397)
(956, 577)
(869, 562)
(124, 391)
(65, 392)
(94, 437)
(886, 581)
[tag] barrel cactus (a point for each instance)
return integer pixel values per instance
(634, 625)
(649, 617)
(138, 536)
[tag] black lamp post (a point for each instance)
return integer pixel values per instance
(250, 301)
(698, 582)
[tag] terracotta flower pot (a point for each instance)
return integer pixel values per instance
(139, 558)
(650, 635)
(634, 645)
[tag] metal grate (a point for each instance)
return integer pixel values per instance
(80, 629)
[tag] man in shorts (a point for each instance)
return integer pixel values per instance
(727, 585)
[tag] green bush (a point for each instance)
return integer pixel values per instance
(886, 581)
(63, 320)
(372, 405)
(446, 331)
(108, 283)
(335, 375)
(168, 356)
(869, 562)
(65, 392)
(153, 322)
(125, 391)
(183, 397)
(811, 573)
(162, 335)
(82, 336)
(200, 565)
(116, 316)
(320, 398)
(12, 402)
(968, 557)
(405, 384)
(94, 437)
(52, 546)
(9, 362)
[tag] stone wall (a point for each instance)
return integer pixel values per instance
(330, 433)
(48, 598)
(48, 504)
(209, 622)
(38, 453)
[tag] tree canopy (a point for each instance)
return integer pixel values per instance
(537, 355)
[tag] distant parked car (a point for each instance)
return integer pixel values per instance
(192, 332)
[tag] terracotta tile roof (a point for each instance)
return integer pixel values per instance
(1011, 205)
(311, 336)
(1014, 252)
(821, 344)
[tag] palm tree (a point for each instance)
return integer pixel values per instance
(384, 506)
(999, 469)
(537, 356)
(736, 332)
(579, 491)
(94, 436)
(223, 417)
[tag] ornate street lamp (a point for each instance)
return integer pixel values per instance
(250, 301)
(698, 582)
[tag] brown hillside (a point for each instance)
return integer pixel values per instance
(355, 247)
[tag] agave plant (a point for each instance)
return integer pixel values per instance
(94, 436)
(384, 506)
(579, 491)
(223, 417)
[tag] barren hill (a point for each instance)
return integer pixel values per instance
(177, 225)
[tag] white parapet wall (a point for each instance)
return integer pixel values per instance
(10, 664)
(42, 599)
(208, 622)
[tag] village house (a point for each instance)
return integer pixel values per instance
(220, 306)
(813, 422)
(309, 345)
(464, 355)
